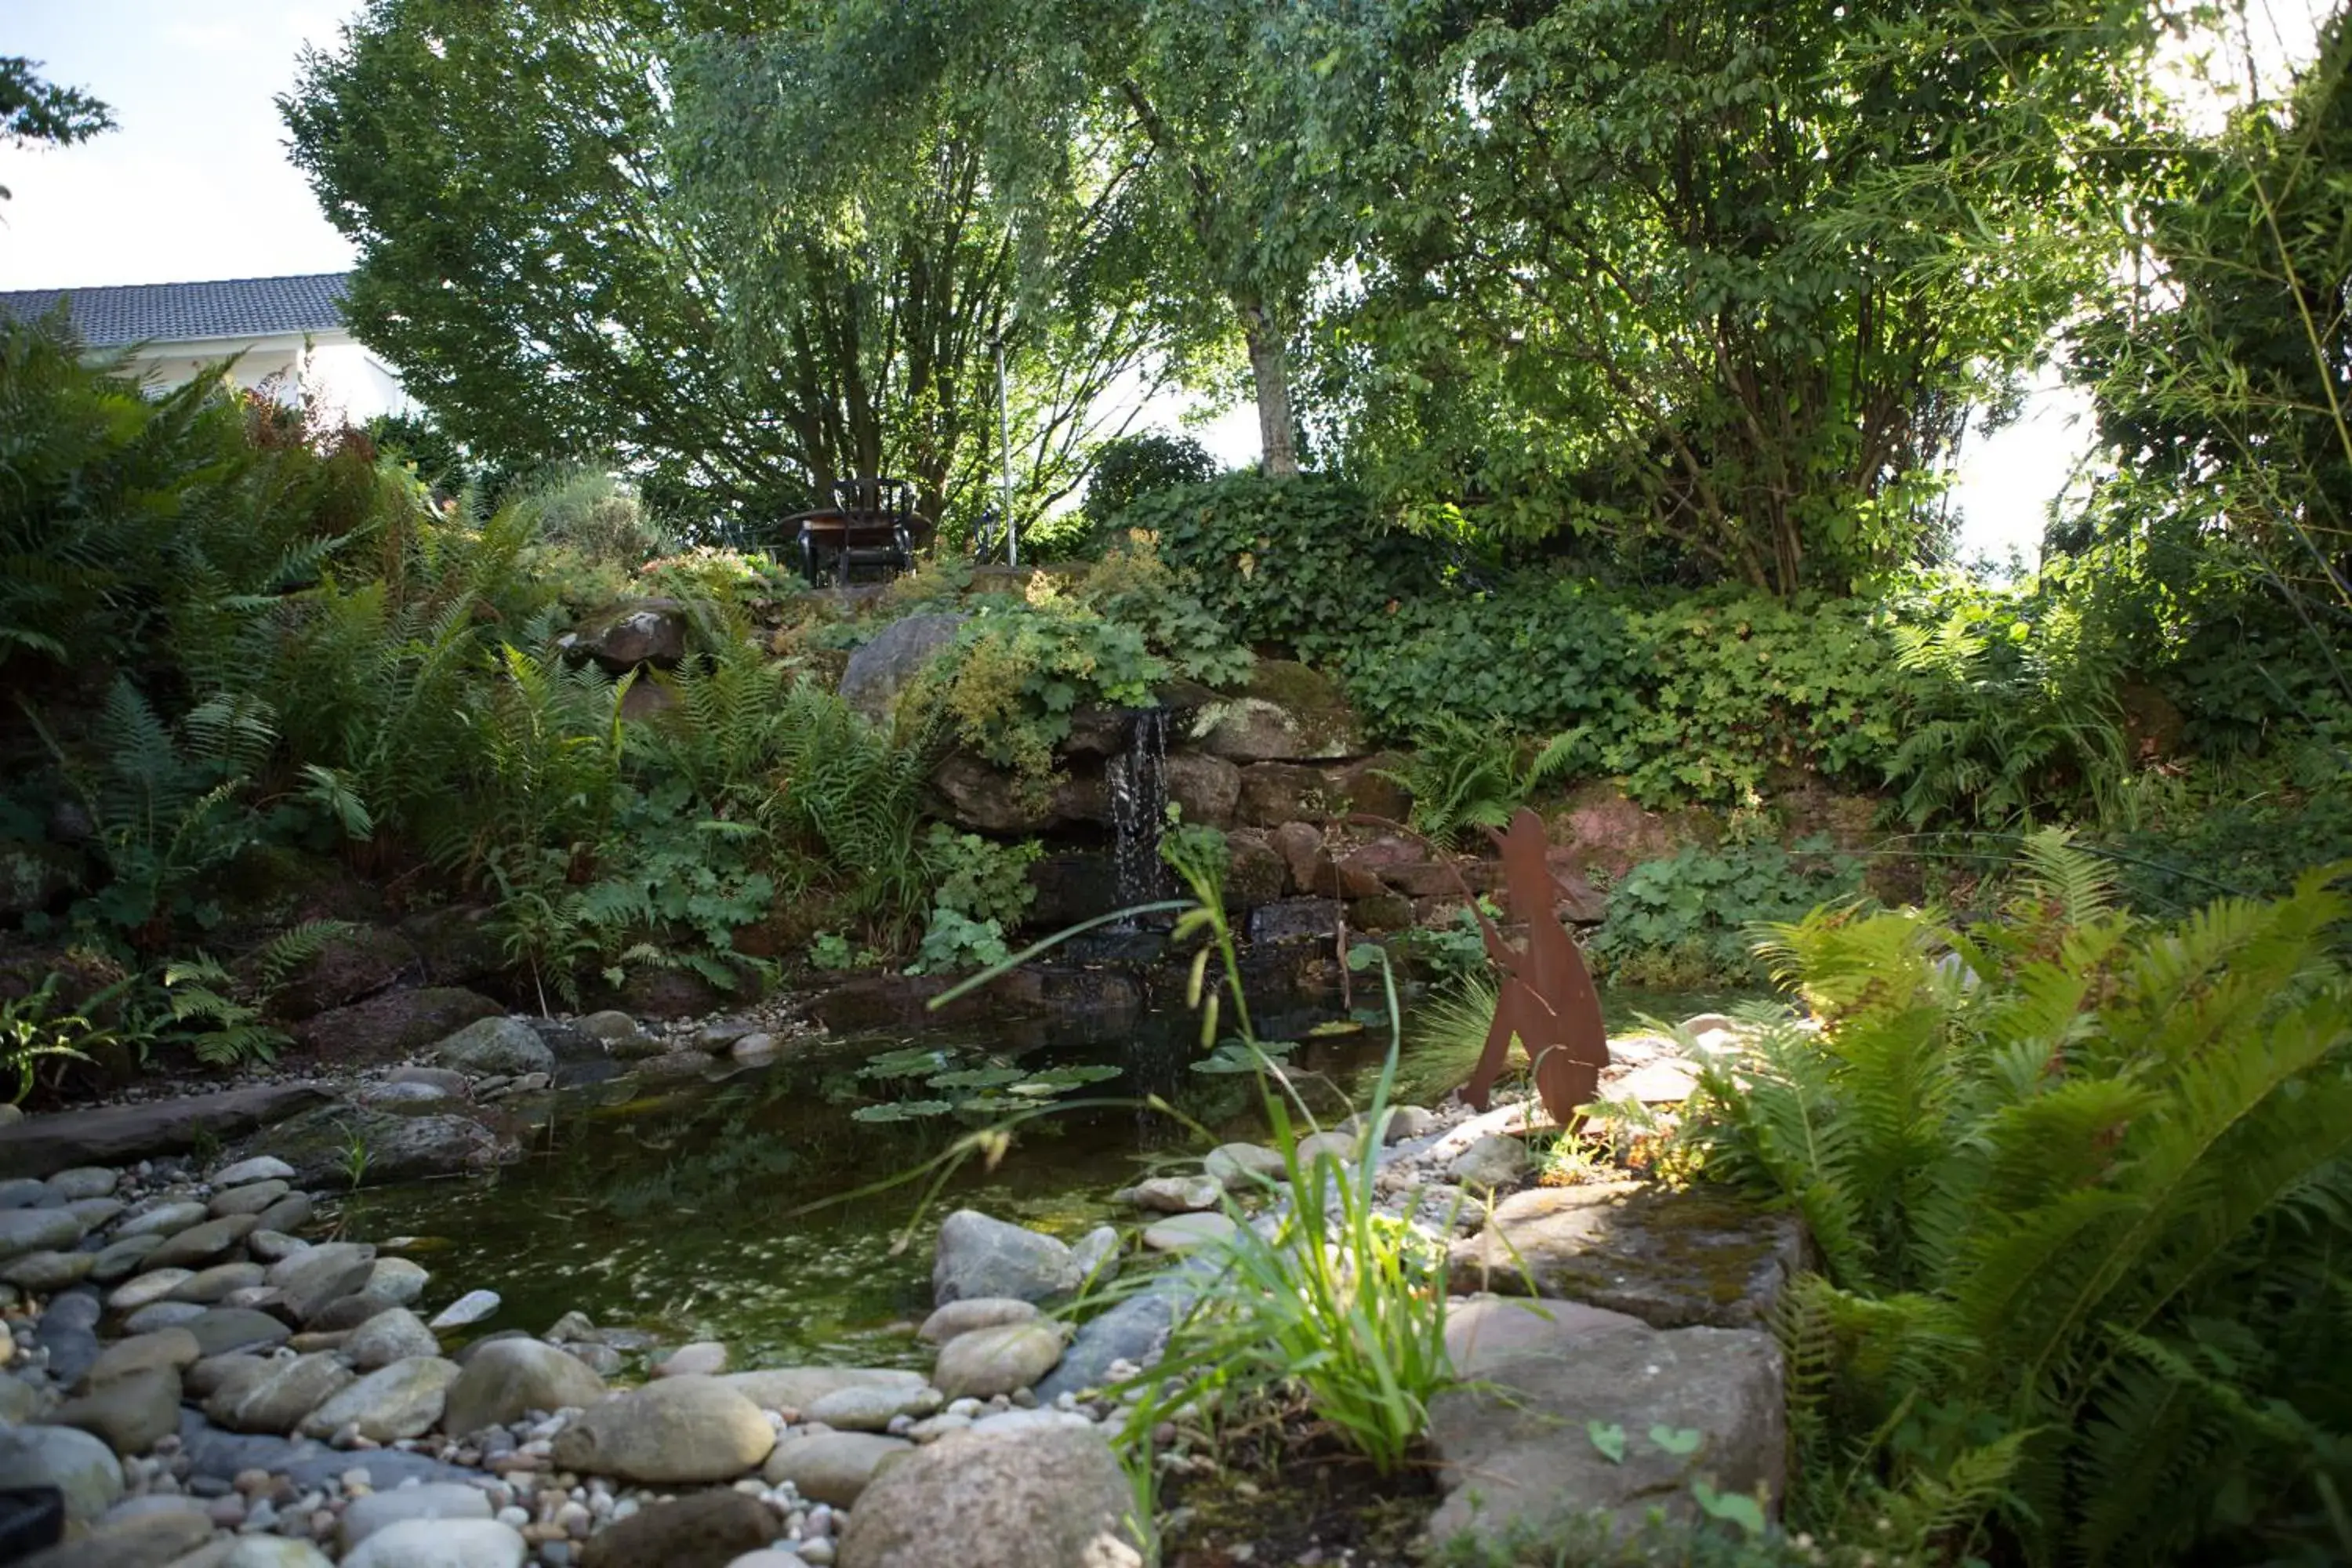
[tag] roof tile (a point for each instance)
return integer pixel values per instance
(183, 313)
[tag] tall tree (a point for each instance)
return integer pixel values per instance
(579, 232)
(34, 110)
(1726, 278)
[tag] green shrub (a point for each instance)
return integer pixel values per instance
(1129, 467)
(2079, 1187)
(594, 513)
(1683, 922)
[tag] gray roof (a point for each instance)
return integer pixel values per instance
(183, 313)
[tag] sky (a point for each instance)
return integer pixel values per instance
(195, 186)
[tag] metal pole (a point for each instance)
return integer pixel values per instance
(1004, 455)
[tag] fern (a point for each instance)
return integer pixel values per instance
(2032, 1153)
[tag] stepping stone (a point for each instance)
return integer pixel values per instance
(1183, 1232)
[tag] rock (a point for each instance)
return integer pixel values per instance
(119, 1259)
(1042, 1498)
(1287, 713)
(798, 1387)
(441, 1544)
(162, 1221)
(207, 1286)
(402, 1400)
(1174, 1194)
(772, 1557)
(43, 1272)
(1529, 1378)
(434, 1500)
(160, 1539)
(755, 1047)
(978, 1256)
(270, 1551)
(1654, 1083)
(870, 1408)
(352, 964)
(1206, 787)
(260, 1168)
(1341, 1147)
(1184, 1232)
(471, 1307)
(36, 1230)
(125, 1134)
(252, 1198)
(174, 1350)
(443, 1083)
(979, 798)
(1095, 1259)
(202, 1244)
(279, 1400)
(131, 1411)
(402, 1143)
(81, 1182)
(1134, 1331)
(71, 1461)
(508, 1378)
(830, 1467)
(389, 1336)
(267, 1246)
(1295, 919)
(386, 1028)
(706, 1532)
(346, 1313)
(976, 1312)
(287, 1215)
(881, 667)
(491, 1045)
(219, 1330)
(1670, 1258)
(989, 1361)
(633, 632)
(680, 1430)
(318, 1275)
(1239, 1165)
(21, 1402)
(1493, 1162)
(398, 1280)
(704, 1358)
(95, 1214)
(163, 1315)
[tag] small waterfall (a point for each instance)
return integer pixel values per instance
(1139, 809)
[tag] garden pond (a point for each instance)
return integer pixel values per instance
(788, 1210)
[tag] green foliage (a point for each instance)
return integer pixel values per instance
(974, 1084)
(1463, 777)
(1685, 920)
(954, 941)
(1603, 1543)
(31, 1032)
(2078, 1182)
(1131, 584)
(590, 512)
(1130, 466)
(34, 110)
(979, 878)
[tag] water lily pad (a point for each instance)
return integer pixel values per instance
(978, 1077)
(915, 1061)
(902, 1110)
(1330, 1028)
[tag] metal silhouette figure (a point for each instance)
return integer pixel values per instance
(1548, 998)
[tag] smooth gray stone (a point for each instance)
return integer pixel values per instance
(215, 1452)
(124, 1134)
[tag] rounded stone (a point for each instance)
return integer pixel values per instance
(441, 1544)
(1186, 1232)
(989, 1361)
(503, 1379)
(979, 1312)
(201, 1244)
(260, 1168)
(131, 1411)
(1238, 1165)
(472, 1307)
(84, 1182)
(252, 1198)
(278, 1402)
(403, 1400)
(713, 1528)
(398, 1280)
(210, 1285)
(704, 1358)
(36, 1230)
(870, 1407)
(1044, 1497)
(433, 1500)
(679, 1430)
(43, 1272)
(490, 1046)
(830, 1467)
(318, 1275)
(1175, 1194)
(163, 1315)
(66, 1458)
(1493, 1162)
(155, 1284)
(389, 1336)
(166, 1218)
(221, 1329)
(176, 1349)
(273, 1551)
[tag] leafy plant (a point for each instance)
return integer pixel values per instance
(31, 1033)
(831, 950)
(2056, 1166)
(1464, 777)
(1683, 921)
(1129, 466)
(980, 879)
(966, 1082)
(954, 941)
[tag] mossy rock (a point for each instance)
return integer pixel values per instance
(1286, 713)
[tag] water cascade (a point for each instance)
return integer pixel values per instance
(1139, 810)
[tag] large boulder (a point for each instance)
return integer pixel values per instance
(402, 1400)
(1668, 1257)
(629, 633)
(891, 659)
(1206, 786)
(979, 1256)
(487, 1045)
(1286, 713)
(392, 1024)
(504, 1378)
(401, 1140)
(348, 966)
(1511, 1446)
(1037, 1496)
(678, 1431)
(976, 795)
(66, 1458)
(126, 1134)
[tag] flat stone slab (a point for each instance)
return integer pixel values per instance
(125, 1134)
(1183, 1232)
(1670, 1258)
(1569, 1411)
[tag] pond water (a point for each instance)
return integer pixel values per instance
(760, 1210)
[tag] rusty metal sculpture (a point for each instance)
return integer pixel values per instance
(1548, 999)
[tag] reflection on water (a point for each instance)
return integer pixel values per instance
(742, 1210)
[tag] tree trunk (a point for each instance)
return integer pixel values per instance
(1273, 377)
